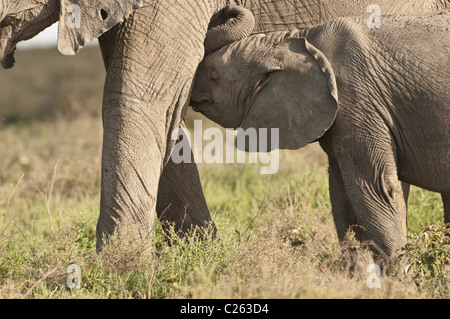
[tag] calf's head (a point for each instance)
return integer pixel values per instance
(272, 81)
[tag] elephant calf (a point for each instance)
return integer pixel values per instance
(377, 101)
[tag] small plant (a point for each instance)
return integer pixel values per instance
(428, 254)
(85, 237)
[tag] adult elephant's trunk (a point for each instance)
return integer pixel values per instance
(231, 24)
(22, 20)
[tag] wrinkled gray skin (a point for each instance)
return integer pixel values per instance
(377, 100)
(151, 51)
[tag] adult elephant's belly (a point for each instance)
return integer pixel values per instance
(427, 167)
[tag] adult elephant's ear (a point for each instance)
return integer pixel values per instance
(82, 21)
(297, 94)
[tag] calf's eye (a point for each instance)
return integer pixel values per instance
(214, 75)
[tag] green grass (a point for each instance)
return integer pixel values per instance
(276, 237)
(424, 208)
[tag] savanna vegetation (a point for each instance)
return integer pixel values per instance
(276, 237)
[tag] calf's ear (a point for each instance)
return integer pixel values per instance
(300, 99)
(82, 21)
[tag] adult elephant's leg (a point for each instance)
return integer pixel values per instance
(180, 197)
(180, 200)
(446, 201)
(153, 58)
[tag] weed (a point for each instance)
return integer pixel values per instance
(427, 256)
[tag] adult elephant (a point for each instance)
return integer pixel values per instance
(151, 51)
